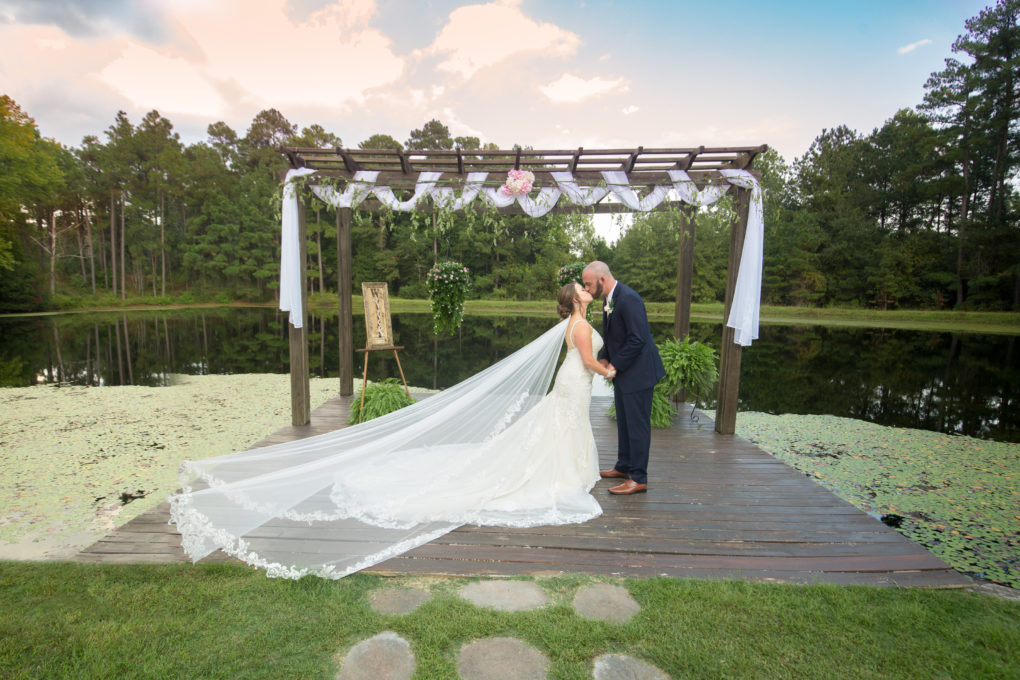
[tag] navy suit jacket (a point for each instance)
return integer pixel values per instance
(628, 344)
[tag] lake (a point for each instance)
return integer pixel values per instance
(947, 382)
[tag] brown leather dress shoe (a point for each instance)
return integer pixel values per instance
(611, 472)
(628, 487)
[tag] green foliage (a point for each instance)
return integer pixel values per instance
(381, 398)
(433, 135)
(570, 273)
(690, 366)
(662, 408)
(921, 212)
(378, 141)
(448, 284)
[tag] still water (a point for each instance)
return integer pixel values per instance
(963, 384)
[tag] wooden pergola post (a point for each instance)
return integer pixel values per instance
(300, 393)
(684, 274)
(345, 303)
(729, 355)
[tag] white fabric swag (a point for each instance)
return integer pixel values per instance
(744, 312)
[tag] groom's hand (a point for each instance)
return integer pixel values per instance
(604, 362)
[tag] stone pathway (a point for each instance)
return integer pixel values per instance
(387, 656)
(507, 596)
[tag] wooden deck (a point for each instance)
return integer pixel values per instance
(717, 507)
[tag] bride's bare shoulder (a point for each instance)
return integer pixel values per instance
(581, 330)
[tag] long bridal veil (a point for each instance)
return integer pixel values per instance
(322, 505)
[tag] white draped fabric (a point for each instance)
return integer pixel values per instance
(747, 296)
(444, 198)
(497, 449)
(688, 192)
(576, 194)
(290, 251)
(423, 188)
(619, 184)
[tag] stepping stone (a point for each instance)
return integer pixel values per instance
(387, 656)
(508, 596)
(501, 659)
(606, 602)
(396, 600)
(622, 667)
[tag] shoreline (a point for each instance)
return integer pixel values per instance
(955, 321)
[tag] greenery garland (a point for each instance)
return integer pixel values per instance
(448, 284)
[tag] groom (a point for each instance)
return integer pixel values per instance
(629, 348)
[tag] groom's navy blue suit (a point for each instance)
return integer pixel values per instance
(629, 347)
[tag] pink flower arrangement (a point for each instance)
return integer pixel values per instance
(518, 183)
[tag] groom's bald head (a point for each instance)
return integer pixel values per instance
(597, 278)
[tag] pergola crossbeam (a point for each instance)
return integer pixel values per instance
(398, 171)
(462, 161)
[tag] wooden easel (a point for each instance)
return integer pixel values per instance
(378, 331)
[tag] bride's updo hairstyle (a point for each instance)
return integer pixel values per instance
(565, 300)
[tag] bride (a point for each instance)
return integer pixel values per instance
(495, 449)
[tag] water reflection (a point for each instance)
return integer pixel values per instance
(938, 381)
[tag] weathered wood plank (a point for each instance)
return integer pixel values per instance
(717, 507)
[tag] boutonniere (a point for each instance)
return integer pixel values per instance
(608, 307)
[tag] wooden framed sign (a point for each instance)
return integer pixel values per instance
(378, 328)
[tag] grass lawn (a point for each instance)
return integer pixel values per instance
(68, 620)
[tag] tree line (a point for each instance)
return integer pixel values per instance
(919, 213)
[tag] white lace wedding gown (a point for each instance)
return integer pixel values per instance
(333, 504)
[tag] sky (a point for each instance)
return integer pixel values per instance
(558, 74)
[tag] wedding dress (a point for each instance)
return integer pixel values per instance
(495, 449)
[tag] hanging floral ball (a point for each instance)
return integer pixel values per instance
(571, 273)
(448, 284)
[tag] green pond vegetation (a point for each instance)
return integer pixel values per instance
(957, 496)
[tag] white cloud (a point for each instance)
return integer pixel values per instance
(52, 44)
(223, 61)
(151, 80)
(479, 36)
(570, 88)
(459, 128)
(331, 59)
(631, 109)
(913, 46)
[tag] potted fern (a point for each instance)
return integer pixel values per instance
(381, 398)
(691, 369)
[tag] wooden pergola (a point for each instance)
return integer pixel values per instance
(400, 171)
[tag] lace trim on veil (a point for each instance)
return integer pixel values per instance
(248, 489)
